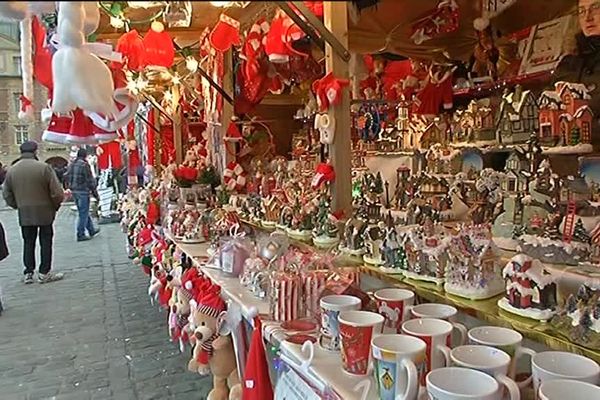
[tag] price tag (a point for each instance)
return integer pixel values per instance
(291, 387)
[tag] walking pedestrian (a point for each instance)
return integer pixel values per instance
(3, 255)
(32, 188)
(82, 184)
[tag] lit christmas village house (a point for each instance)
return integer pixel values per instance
(530, 289)
(565, 115)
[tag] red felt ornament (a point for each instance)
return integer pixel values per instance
(256, 383)
(328, 91)
(275, 45)
(323, 173)
(131, 46)
(158, 46)
(225, 34)
(436, 22)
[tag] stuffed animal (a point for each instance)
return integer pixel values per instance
(213, 352)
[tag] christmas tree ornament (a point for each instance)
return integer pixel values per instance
(436, 22)
(158, 46)
(323, 173)
(225, 34)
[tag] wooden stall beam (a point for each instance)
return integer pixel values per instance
(336, 21)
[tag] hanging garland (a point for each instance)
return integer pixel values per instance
(116, 11)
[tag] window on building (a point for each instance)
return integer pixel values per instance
(585, 132)
(17, 65)
(21, 134)
(17, 101)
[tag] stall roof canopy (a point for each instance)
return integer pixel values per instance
(387, 26)
(384, 27)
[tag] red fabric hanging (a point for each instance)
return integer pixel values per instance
(109, 155)
(167, 148)
(159, 49)
(256, 384)
(132, 48)
(42, 58)
(150, 137)
(134, 160)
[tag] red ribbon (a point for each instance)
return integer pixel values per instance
(25, 102)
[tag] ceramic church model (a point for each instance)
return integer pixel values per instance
(473, 269)
(530, 289)
(518, 116)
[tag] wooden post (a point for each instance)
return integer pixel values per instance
(227, 108)
(336, 20)
(177, 139)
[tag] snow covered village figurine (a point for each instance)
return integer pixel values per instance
(352, 242)
(374, 237)
(530, 289)
(473, 269)
(392, 249)
(326, 231)
(579, 316)
(302, 221)
(426, 250)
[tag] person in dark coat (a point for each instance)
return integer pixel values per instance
(32, 188)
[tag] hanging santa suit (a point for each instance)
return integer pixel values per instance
(436, 93)
(131, 46)
(109, 155)
(158, 47)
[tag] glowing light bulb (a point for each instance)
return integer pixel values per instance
(191, 64)
(220, 3)
(117, 22)
(176, 79)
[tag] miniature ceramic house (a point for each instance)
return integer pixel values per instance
(581, 315)
(443, 160)
(392, 249)
(426, 251)
(530, 288)
(353, 237)
(374, 236)
(565, 115)
(518, 116)
(423, 132)
(473, 269)
(476, 123)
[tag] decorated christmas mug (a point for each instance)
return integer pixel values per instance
(455, 383)
(393, 304)
(560, 389)
(490, 360)
(438, 311)
(552, 365)
(505, 339)
(357, 328)
(436, 333)
(329, 335)
(399, 362)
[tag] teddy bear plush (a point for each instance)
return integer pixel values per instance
(214, 353)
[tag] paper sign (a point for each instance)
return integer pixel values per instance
(291, 387)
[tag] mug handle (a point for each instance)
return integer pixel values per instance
(446, 353)
(513, 389)
(462, 331)
(412, 387)
(522, 351)
(406, 314)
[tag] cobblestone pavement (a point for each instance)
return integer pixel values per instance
(93, 335)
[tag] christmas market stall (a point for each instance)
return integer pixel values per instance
(330, 199)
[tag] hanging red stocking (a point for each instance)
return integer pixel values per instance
(225, 34)
(437, 22)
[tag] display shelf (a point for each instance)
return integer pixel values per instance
(487, 310)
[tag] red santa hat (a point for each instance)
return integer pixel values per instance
(256, 383)
(324, 173)
(212, 304)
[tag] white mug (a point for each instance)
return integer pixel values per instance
(393, 304)
(490, 360)
(561, 389)
(552, 365)
(329, 334)
(457, 383)
(436, 333)
(398, 363)
(505, 339)
(438, 311)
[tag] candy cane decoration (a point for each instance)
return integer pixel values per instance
(234, 177)
(26, 110)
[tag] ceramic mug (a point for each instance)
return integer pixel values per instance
(398, 361)
(489, 360)
(552, 365)
(561, 389)
(393, 304)
(357, 328)
(505, 339)
(457, 383)
(438, 311)
(436, 333)
(331, 306)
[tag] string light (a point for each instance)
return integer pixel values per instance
(176, 79)
(191, 64)
(117, 22)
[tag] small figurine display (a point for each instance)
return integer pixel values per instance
(326, 231)
(473, 269)
(352, 243)
(530, 289)
(271, 209)
(579, 316)
(373, 240)
(426, 249)
(302, 221)
(392, 249)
